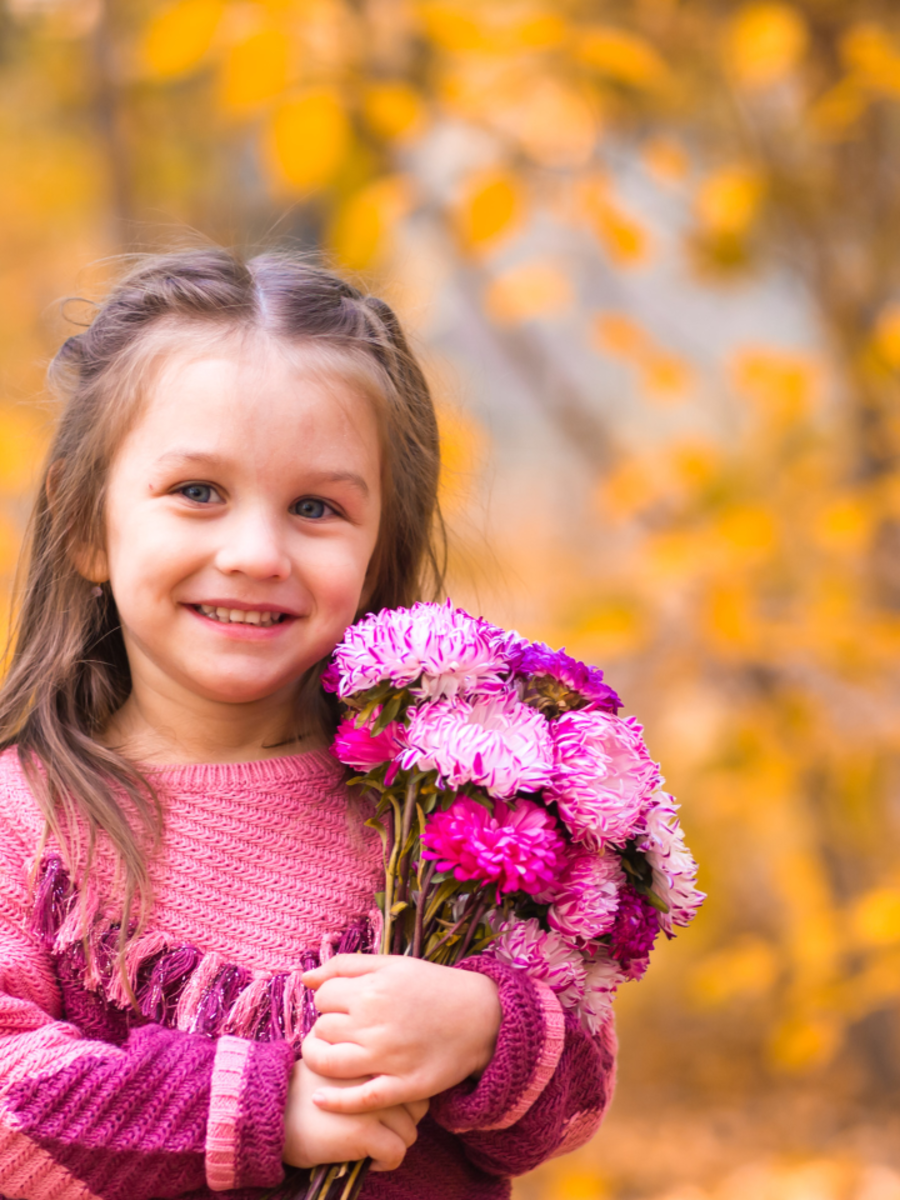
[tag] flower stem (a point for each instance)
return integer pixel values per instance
(473, 925)
(420, 910)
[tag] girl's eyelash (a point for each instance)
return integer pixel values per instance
(184, 488)
(313, 500)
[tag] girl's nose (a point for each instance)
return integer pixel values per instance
(253, 546)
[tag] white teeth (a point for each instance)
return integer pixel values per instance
(240, 616)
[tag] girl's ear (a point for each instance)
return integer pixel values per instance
(88, 561)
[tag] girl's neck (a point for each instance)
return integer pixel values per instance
(144, 730)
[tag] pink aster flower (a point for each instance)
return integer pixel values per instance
(633, 933)
(496, 742)
(518, 848)
(451, 652)
(586, 896)
(602, 978)
(361, 749)
(544, 956)
(602, 775)
(661, 838)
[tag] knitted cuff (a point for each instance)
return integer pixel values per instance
(529, 1045)
(248, 1095)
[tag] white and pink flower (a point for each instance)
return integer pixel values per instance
(451, 652)
(602, 978)
(602, 775)
(545, 956)
(586, 896)
(661, 838)
(496, 742)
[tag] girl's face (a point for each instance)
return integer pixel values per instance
(242, 511)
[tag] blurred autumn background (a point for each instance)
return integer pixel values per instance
(650, 252)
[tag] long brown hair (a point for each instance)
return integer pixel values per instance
(68, 670)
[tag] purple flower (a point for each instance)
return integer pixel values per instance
(602, 977)
(661, 838)
(587, 896)
(518, 848)
(452, 652)
(545, 956)
(633, 933)
(495, 742)
(557, 682)
(360, 748)
(602, 775)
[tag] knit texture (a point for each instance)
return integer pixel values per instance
(267, 870)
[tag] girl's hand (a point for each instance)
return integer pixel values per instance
(414, 1028)
(314, 1136)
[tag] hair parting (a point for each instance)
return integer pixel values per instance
(68, 671)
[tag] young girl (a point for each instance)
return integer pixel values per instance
(247, 462)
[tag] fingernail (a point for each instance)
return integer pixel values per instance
(319, 1098)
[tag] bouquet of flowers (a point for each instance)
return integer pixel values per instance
(522, 817)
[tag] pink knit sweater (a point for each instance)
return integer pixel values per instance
(266, 870)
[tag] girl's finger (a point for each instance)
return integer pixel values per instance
(334, 1027)
(400, 1122)
(382, 1091)
(343, 1061)
(336, 996)
(346, 966)
(417, 1109)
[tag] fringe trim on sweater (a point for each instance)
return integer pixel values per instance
(178, 985)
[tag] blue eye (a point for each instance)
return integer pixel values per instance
(200, 493)
(311, 508)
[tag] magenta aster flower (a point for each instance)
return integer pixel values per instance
(602, 978)
(557, 678)
(545, 956)
(602, 775)
(517, 848)
(586, 896)
(495, 742)
(451, 652)
(661, 838)
(633, 933)
(361, 749)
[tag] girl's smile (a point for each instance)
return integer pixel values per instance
(242, 512)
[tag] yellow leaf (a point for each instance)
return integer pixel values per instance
(870, 52)
(463, 443)
(451, 28)
(554, 124)
(876, 917)
(255, 70)
(747, 529)
(613, 627)
(538, 288)
(491, 205)
(360, 227)
(844, 524)
(540, 31)
(624, 238)
(665, 159)
(729, 617)
(309, 137)
(804, 1043)
(764, 43)
(746, 969)
(665, 376)
(621, 56)
(10, 539)
(619, 335)
(887, 335)
(836, 110)
(783, 385)
(21, 448)
(729, 200)
(392, 108)
(178, 38)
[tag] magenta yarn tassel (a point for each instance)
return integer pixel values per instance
(54, 897)
(218, 999)
(162, 980)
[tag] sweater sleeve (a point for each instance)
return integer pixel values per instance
(546, 1089)
(162, 1114)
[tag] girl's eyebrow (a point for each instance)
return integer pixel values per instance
(201, 458)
